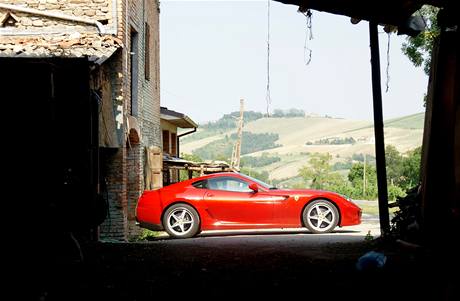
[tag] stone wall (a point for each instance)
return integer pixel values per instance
(98, 10)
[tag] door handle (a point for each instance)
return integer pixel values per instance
(209, 195)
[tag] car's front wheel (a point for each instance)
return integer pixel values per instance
(181, 221)
(320, 216)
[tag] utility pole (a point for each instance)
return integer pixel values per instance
(364, 176)
(236, 153)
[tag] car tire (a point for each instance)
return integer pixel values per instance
(181, 221)
(320, 216)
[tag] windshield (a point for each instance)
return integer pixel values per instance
(259, 182)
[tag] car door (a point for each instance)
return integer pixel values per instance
(231, 202)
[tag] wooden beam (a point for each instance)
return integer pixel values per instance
(378, 130)
(199, 168)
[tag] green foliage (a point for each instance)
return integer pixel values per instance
(200, 134)
(229, 121)
(363, 190)
(288, 113)
(222, 148)
(411, 169)
(395, 192)
(342, 165)
(419, 48)
(403, 172)
(415, 121)
(319, 172)
(260, 175)
(333, 141)
(369, 236)
(263, 160)
(256, 142)
(148, 235)
(394, 163)
(360, 157)
(406, 220)
(191, 157)
(183, 174)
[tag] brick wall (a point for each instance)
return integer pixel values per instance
(142, 14)
(134, 186)
(116, 224)
(123, 166)
(114, 162)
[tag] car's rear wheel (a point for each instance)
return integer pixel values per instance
(320, 216)
(181, 221)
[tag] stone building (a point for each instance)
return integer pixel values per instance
(85, 75)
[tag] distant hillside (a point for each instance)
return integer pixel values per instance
(414, 121)
(298, 137)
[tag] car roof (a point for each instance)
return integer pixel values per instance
(209, 176)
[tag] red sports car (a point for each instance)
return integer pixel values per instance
(224, 201)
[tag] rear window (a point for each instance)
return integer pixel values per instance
(199, 184)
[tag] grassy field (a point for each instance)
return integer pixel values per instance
(372, 207)
(414, 121)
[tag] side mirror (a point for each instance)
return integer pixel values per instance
(254, 187)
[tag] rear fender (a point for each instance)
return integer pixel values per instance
(149, 206)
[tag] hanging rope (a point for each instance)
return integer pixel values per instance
(308, 36)
(267, 97)
(388, 64)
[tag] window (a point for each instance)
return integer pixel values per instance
(174, 144)
(134, 62)
(147, 51)
(200, 184)
(166, 142)
(229, 184)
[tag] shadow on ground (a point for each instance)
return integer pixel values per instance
(267, 266)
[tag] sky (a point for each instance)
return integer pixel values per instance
(213, 53)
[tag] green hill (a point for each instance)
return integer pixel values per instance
(414, 121)
(298, 137)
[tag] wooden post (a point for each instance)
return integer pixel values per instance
(378, 130)
(440, 172)
(236, 154)
(153, 167)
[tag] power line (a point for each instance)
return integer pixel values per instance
(268, 97)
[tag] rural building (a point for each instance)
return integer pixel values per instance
(170, 122)
(85, 76)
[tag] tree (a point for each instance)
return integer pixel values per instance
(191, 157)
(419, 48)
(394, 162)
(319, 172)
(183, 174)
(411, 168)
(363, 190)
(262, 175)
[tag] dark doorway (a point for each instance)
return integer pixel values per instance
(58, 140)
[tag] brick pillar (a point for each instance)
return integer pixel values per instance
(116, 224)
(134, 188)
(135, 174)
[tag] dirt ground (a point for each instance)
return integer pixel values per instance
(265, 265)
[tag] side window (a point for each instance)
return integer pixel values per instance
(200, 184)
(229, 184)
